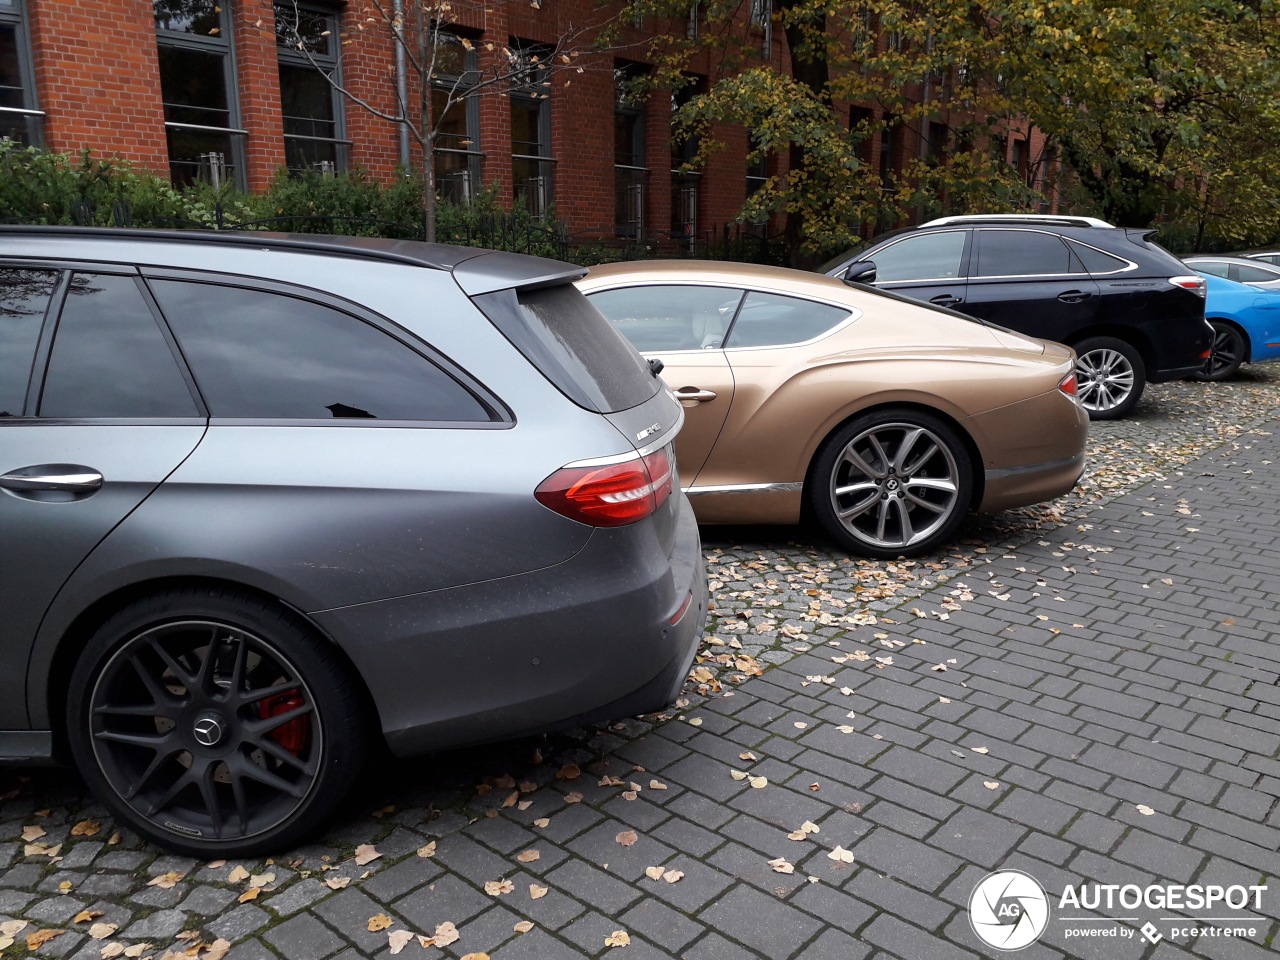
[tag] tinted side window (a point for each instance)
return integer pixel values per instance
(1255, 274)
(1095, 261)
(929, 256)
(670, 317)
(264, 355)
(1213, 269)
(1021, 253)
(109, 358)
(572, 345)
(24, 298)
(768, 320)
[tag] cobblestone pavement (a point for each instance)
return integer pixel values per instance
(1086, 692)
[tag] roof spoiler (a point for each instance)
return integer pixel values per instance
(492, 270)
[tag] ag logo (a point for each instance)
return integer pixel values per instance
(1008, 910)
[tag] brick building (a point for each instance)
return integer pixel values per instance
(201, 88)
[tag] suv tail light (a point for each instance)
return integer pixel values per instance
(1195, 284)
(1070, 385)
(610, 494)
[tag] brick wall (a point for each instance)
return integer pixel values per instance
(98, 80)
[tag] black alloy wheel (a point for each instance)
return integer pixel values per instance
(1229, 353)
(216, 728)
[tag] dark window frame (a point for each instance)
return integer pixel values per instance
(29, 113)
(471, 156)
(330, 64)
(531, 86)
(221, 45)
(631, 178)
(502, 415)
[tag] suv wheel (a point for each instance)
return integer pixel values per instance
(1111, 377)
(892, 483)
(1228, 353)
(214, 723)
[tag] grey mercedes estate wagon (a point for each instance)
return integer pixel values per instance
(264, 498)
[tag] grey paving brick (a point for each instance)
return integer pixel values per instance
(1040, 812)
(593, 885)
(537, 945)
(661, 924)
(910, 943)
(447, 898)
(978, 836)
(240, 922)
(1127, 764)
(760, 922)
(928, 912)
(305, 938)
(715, 947)
(919, 864)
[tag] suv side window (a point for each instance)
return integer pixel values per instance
(670, 317)
(24, 300)
(1022, 253)
(109, 357)
(769, 320)
(1214, 268)
(1246, 274)
(926, 256)
(261, 355)
(1095, 261)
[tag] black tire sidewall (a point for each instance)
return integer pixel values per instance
(1126, 406)
(336, 704)
(824, 462)
(1226, 373)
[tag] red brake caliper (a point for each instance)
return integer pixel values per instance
(293, 735)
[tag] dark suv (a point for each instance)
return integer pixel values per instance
(267, 498)
(1132, 312)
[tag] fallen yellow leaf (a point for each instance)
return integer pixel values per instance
(379, 921)
(619, 938)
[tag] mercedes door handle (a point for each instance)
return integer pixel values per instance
(693, 393)
(68, 477)
(1074, 296)
(947, 300)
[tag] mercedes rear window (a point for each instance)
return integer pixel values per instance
(571, 343)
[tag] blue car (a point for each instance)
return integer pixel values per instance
(1246, 326)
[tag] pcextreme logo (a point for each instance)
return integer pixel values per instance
(1009, 910)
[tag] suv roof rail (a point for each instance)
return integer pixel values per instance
(1045, 218)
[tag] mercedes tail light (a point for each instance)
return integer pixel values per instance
(1193, 283)
(611, 494)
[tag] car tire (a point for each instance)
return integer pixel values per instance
(174, 721)
(1229, 353)
(891, 483)
(1111, 377)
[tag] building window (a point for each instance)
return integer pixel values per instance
(757, 168)
(630, 174)
(936, 146)
(532, 166)
(685, 184)
(762, 19)
(20, 119)
(197, 85)
(1022, 160)
(455, 114)
(311, 106)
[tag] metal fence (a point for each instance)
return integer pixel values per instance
(749, 243)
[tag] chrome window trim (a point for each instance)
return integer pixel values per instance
(731, 488)
(1053, 276)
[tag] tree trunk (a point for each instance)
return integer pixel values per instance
(428, 140)
(814, 73)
